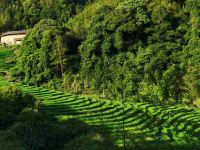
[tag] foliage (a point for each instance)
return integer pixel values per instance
(78, 118)
(20, 14)
(22, 126)
(90, 142)
(6, 58)
(147, 50)
(12, 102)
(47, 52)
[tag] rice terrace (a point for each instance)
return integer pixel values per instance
(100, 75)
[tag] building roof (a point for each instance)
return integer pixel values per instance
(14, 32)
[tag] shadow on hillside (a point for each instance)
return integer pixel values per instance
(146, 142)
(164, 135)
(71, 133)
(153, 134)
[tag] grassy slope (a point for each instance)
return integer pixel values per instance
(5, 55)
(144, 122)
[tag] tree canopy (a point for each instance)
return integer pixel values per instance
(146, 50)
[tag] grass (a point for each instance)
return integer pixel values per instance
(146, 126)
(144, 123)
(6, 55)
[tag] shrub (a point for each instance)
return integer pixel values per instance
(12, 102)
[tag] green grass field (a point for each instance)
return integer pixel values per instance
(146, 126)
(6, 54)
(144, 123)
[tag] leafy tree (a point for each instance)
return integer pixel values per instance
(12, 102)
(191, 51)
(44, 54)
(157, 41)
(24, 14)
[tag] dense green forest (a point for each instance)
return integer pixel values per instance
(24, 14)
(134, 49)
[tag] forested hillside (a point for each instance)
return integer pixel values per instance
(136, 50)
(24, 14)
(100, 75)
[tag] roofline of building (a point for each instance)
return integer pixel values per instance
(14, 33)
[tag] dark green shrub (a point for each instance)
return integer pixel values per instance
(12, 102)
(93, 141)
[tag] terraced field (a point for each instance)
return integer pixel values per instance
(143, 122)
(165, 127)
(5, 54)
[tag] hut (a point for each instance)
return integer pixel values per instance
(13, 37)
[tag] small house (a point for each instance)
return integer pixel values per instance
(13, 37)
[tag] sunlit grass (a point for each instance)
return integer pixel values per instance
(172, 124)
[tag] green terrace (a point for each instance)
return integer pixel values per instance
(5, 59)
(143, 122)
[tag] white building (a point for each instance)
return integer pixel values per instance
(13, 37)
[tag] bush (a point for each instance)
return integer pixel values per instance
(93, 141)
(12, 102)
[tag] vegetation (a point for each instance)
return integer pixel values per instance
(146, 125)
(6, 59)
(24, 126)
(147, 50)
(142, 55)
(52, 52)
(12, 102)
(24, 14)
